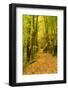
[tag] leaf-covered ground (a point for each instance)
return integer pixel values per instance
(45, 64)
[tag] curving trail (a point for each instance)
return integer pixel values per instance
(45, 64)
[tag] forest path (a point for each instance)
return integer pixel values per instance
(45, 64)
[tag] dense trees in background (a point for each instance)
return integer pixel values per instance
(38, 33)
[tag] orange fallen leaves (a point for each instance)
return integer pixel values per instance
(45, 64)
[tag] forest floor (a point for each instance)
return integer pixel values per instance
(45, 64)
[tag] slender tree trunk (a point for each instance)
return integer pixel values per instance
(32, 36)
(46, 34)
(36, 34)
